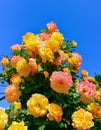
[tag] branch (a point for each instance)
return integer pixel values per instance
(3, 85)
(1, 93)
(2, 98)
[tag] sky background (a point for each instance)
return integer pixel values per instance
(78, 20)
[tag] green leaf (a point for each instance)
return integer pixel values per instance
(43, 30)
(17, 52)
(98, 79)
(25, 54)
(41, 127)
(56, 54)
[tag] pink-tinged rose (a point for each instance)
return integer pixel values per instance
(52, 27)
(43, 44)
(87, 91)
(33, 65)
(58, 61)
(44, 36)
(16, 47)
(60, 81)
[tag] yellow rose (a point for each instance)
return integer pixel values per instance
(16, 79)
(74, 44)
(23, 68)
(55, 41)
(46, 54)
(17, 126)
(17, 106)
(91, 79)
(37, 105)
(3, 119)
(5, 61)
(84, 73)
(82, 120)
(31, 42)
(95, 109)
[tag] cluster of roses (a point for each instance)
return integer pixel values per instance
(31, 58)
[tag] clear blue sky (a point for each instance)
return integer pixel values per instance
(78, 20)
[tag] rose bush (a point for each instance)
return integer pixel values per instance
(44, 87)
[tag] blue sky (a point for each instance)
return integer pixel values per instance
(78, 20)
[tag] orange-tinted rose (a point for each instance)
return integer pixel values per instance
(12, 93)
(55, 112)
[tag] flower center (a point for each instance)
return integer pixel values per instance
(61, 81)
